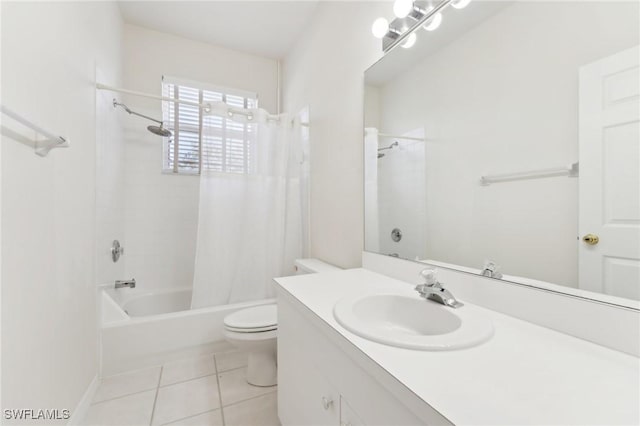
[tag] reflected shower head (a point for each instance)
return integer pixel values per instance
(395, 143)
(159, 130)
(156, 130)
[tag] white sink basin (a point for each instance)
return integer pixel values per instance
(412, 322)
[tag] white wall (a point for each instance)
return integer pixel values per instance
(325, 70)
(110, 181)
(161, 213)
(492, 103)
(49, 337)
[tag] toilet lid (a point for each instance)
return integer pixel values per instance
(258, 317)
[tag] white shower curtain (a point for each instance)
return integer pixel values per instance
(251, 226)
(371, 208)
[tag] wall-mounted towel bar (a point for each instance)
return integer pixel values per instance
(41, 147)
(571, 171)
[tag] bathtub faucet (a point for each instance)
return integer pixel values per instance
(126, 283)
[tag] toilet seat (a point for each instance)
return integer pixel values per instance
(251, 330)
(257, 319)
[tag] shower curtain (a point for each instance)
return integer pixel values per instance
(371, 219)
(251, 224)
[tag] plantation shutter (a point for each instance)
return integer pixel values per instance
(202, 141)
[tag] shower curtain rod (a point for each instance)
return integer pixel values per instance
(411, 138)
(208, 107)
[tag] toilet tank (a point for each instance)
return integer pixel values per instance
(312, 266)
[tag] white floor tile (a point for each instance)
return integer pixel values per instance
(186, 399)
(187, 369)
(260, 411)
(234, 387)
(131, 410)
(230, 360)
(211, 418)
(127, 383)
(223, 346)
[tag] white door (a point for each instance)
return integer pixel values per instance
(609, 209)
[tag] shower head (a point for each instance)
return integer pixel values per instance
(156, 130)
(159, 130)
(395, 143)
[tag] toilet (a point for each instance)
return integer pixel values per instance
(254, 330)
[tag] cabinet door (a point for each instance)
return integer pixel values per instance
(304, 395)
(348, 417)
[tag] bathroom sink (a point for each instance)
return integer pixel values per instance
(412, 322)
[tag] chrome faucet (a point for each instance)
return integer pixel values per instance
(491, 269)
(126, 283)
(433, 290)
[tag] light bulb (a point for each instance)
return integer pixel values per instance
(410, 41)
(433, 22)
(402, 8)
(460, 4)
(380, 27)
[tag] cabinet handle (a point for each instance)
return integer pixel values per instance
(326, 402)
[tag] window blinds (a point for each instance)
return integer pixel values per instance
(206, 142)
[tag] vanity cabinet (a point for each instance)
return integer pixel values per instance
(325, 380)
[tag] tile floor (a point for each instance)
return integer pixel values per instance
(207, 390)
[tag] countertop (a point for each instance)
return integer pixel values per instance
(525, 374)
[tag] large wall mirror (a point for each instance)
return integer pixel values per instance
(506, 143)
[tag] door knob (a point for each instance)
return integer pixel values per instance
(591, 239)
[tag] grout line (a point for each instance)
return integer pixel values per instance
(153, 411)
(192, 415)
(187, 380)
(215, 364)
(122, 396)
(253, 397)
(232, 369)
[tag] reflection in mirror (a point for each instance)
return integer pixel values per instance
(506, 143)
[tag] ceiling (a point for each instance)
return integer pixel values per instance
(265, 28)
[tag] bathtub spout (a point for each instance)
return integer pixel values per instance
(126, 283)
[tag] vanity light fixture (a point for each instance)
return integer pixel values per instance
(434, 22)
(402, 8)
(410, 41)
(460, 4)
(380, 27)
(410, 15)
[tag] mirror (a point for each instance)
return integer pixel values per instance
(506, 143)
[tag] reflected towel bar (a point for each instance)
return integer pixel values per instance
(571, 171)
(42, 147)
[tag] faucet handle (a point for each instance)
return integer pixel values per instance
(430, 276)
(491, 269)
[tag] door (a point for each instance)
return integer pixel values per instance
(609, 194)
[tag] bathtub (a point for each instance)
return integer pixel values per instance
(141, 328)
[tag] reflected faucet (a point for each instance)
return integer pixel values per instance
(126, 283)
(433, 290)
(491, 269)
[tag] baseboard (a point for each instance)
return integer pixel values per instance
(80, 413)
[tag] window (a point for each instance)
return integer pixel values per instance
(206, 142)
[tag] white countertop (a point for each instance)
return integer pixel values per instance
(525, 374)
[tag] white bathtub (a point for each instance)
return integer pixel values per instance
(158, 303)
(149, 328)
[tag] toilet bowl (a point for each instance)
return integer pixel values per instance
(254, 330)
